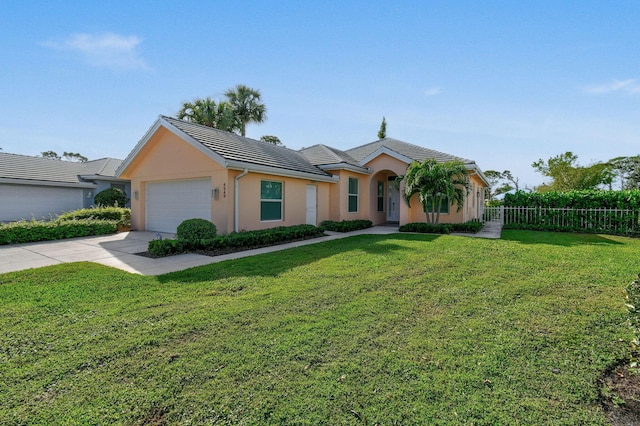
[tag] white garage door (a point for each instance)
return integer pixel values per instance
(168, 203)
(26, 202)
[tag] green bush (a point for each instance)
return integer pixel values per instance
(120, 214)
(29, 231)
(196, 229)
(346, 225)
(623, 200)
(427, 228)
(236, 240)
(166, 247)
(111, 197)
(470, 227)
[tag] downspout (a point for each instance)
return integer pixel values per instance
(236, 191)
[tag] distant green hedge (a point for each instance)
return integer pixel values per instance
(470, 227)
(622, 200)
(235, 240)
(32, 230)
(346, 225)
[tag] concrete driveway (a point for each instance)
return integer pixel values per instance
(115, 250)
(119, 250)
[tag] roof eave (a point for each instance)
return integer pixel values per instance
(88, 185)
(276, 171)
(389, 152)
(345, 166)
(474, 167)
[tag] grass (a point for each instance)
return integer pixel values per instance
(400, 329)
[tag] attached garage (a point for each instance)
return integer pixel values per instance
(26, 201)
(168, 203)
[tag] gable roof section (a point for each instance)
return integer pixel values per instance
(403, 151)
(328, 158)
(25, 169)
(235, 152)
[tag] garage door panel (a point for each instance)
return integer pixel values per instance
(168, 203)
(26, 202)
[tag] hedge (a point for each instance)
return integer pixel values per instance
(235, 240)
(346, 225)
(120, 214)
(470, 227)
(622, 200)
(33, 230)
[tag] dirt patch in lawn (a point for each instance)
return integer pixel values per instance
(620, 395)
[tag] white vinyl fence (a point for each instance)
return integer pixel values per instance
(606, 221)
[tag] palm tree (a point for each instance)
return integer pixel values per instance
(436, 182)
(247, 106)
(209, 113)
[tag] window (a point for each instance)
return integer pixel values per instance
(380, 196)
(270, 200)
(119, 186)
(444, 205)
(353, 195)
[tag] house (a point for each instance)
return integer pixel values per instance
(37, 187)
(180, 170)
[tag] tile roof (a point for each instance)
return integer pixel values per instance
(16, 166)
(415, 152)
(320, 155)
(232, 147)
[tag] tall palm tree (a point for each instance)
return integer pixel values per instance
(209, 113)
(247, 105)
(435, 182)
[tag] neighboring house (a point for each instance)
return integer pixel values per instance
(181, 170)
(37, 187)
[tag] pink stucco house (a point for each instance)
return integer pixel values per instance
(180, 170)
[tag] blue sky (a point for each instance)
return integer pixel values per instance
(503, 83)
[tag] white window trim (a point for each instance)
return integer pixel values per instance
(357, 195)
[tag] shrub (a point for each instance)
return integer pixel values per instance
(120, 214)
(166, 247)
(192, 230)
(427, 228)
(346, 225)
(111, 197)
(29, 231)
(236, 240)
(470, 227)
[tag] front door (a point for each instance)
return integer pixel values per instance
(393, 201)
(312, 205)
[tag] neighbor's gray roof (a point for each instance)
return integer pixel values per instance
(16, 166)
(237, 148)
(414, 152)
(323, 155)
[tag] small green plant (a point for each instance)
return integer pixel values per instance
(111, 197)
(196, 229)
(632, 292)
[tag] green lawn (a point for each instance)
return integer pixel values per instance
(399, 329)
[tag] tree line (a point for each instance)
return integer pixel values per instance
(564, 174)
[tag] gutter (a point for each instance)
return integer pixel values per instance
(236, 192)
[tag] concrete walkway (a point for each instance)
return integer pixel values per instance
(492, 230)
(119, 250)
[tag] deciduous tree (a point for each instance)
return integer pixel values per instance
(567, 175)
